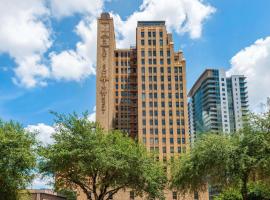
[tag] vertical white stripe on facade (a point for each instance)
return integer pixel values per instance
(224, 101)
(237, 102)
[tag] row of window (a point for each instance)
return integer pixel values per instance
(152, 42)
(163, 131)
(154, 53)
(129, 87)
(126, 79)
(177, 104)
(126, 70)
(164, 150)
(154, 61)
(162, 87)
(155, 113)
(152, 34)
(162, 95)
(169, 70)
(122, 54)
(156, 141)
(163, 122)
(162, 78)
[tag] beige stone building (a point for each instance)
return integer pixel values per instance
(142, 90)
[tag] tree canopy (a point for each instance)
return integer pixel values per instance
(227, 160)
(17, 159)
(100, 163)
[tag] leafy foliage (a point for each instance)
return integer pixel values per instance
(229, 194)
(100, 163)
(227, 160)
(17, 159)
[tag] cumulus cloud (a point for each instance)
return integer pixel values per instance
(40, 182)
(254, 62)
(181, 16)
(79, 63)
(43, 131)
(25, 37)
(92, 116)
(70, 7)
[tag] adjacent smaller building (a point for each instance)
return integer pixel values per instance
(40, 195)
(217, 103)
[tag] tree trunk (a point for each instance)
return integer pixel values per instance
(244, 189)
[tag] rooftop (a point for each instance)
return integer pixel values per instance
(151, 23)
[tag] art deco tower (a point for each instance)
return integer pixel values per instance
(142, 90)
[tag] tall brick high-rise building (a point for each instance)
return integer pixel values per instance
(142, 89)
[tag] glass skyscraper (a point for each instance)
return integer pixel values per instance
(217, 103)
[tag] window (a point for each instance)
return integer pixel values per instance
(164, 148)
(149, 42)
(161, 53)
(154, 34)
(183, 141)
(163, 122)
(174, 194)
(161, 42)
(144, 122)
(161, 34)
(171, 131)
(132, 195)
(144, 140)
(161, 70)
(144, 131)
(163, 131)
(142, 53)
(161, 78)
(178, 140)
(110, 196)
(149, 34)
(171, 140)
(143, 86)
(161, 61)
(172, 150)
(143, 61)
(163, 113)
(144, 113)
(143, 70)
(142, 42)
(164, 141)
(162, 104)
(143, 104)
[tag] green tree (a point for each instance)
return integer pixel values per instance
(99, 163)
(225, 160)
(17, 159)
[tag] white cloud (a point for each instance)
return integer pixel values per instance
(92, 116)
(181, 16)
(254, 62)
(31, 72)
(40, 182)
(43, 131)
(79, 63)
(25, 37)
(70, 7)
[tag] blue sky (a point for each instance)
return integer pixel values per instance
(47, 53)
